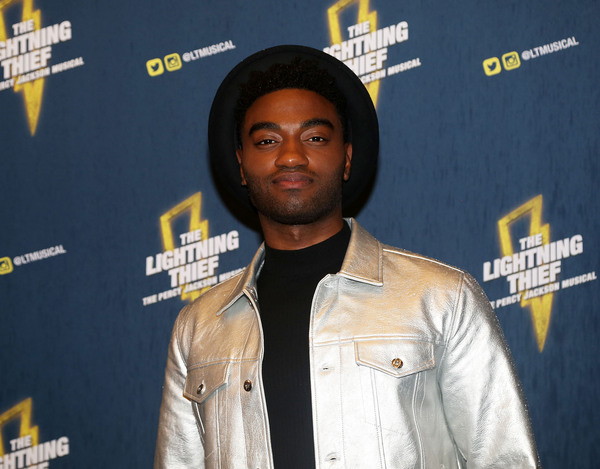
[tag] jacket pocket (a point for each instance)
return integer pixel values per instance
(203, 386)
(396, 357)
(394, 378)
(202, 382)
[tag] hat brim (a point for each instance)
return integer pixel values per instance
(363, 128)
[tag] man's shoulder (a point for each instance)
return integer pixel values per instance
(420, 270)
(221, 292)
(403, 256)
(370, 258)
(214, 300)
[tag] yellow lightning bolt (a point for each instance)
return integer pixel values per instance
(541, 306)
(32, 90)
(23, 410)
(335, 30)
(194, 205)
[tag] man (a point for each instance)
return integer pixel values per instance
(330, 349)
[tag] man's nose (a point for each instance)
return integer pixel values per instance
(291, 154)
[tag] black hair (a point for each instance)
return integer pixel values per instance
(299, 74)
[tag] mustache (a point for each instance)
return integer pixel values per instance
(293, 170)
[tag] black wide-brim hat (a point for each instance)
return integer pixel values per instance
(362, 125)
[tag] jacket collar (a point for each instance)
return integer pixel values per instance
(364, 258)
(363, 263)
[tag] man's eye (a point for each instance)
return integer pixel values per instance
(316, 138)
(265, 141)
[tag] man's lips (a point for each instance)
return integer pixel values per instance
(292, 180)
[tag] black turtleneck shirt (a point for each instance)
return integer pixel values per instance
(286, 286)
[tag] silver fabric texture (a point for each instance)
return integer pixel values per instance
(409, 369)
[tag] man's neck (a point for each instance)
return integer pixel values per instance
(292, 237)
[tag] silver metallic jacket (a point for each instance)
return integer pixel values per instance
(409, 368)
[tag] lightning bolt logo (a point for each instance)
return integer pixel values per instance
(33, 90)
(541, 307)
(193, 205)
(23, 411)
(335, 30)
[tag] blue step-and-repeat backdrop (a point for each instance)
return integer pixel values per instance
(490, 143)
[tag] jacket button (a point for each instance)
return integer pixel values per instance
(200, 389)
(397, 363)
(247, 385)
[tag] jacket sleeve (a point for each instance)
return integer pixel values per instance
(483, 400)
(179, 445)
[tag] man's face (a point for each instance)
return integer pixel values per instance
(293, 157)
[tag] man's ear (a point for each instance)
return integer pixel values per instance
(238, 154)
(348, 161)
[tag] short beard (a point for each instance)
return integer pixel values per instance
(296, 211)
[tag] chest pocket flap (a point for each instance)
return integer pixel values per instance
(201, 382)
(394, 356)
